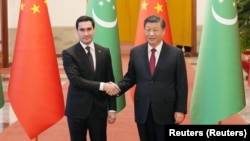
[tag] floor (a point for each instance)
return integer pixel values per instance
(7, 116)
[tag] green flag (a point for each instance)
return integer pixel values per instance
(1, 93)
(218, 87)
(106, 34)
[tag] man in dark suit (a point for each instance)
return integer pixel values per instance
(88, 107)
(161, 83)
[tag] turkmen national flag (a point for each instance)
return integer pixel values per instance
(1, 93)
(106, 34)
(218, 88)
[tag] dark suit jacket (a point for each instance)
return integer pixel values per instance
(83, 92)
(166, 90)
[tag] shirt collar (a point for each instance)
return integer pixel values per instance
(91, 45)
(158, 48)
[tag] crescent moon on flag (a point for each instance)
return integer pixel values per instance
(224, 20)
(102, 22)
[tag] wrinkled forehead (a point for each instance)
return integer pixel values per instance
(152, 25)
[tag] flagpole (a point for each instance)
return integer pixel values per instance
(36, 139)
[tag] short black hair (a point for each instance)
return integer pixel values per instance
(155, 19)
(84, 18)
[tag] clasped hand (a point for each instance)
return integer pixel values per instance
(111, 88)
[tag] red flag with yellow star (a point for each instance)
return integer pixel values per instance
(147, 8)
(35, 90)
(152, 7)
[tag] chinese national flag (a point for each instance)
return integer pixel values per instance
(152, 7)
(147, 8)
(35, 90)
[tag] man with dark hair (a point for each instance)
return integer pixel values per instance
(89, 69)
(159, 72)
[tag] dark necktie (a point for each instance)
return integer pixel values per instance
(90, 57)
(152, 61)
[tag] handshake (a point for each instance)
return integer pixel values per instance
(111, 88)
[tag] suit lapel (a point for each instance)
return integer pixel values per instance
(162, 56)
(145, 57)
(98, 54)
